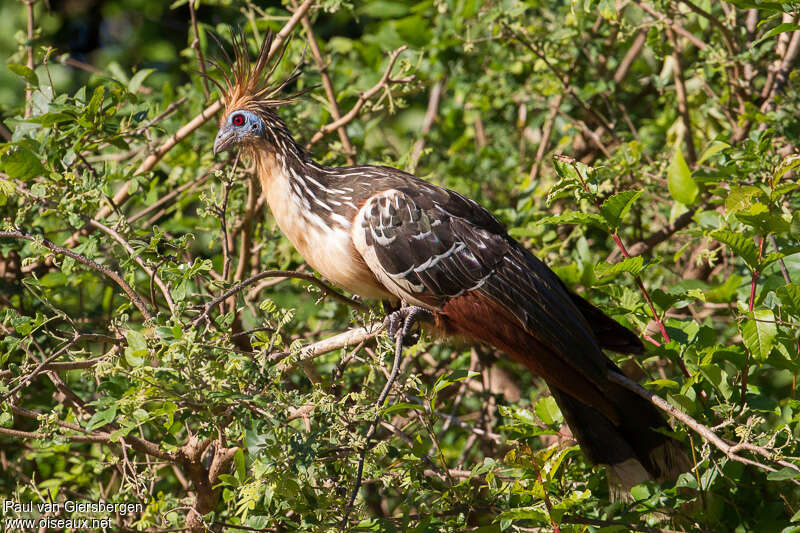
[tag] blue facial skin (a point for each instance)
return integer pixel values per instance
(240, 125)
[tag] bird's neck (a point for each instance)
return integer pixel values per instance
(300, 192)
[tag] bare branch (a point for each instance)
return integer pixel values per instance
(430, 116)
(347, 338)
(385, 81)
(730, 450)
(327, 290)
(134, 298)
(328, 86)
(197, 49)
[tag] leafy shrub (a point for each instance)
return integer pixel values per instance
(162, 343)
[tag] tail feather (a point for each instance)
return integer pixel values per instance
(633, 449)
(612, 425)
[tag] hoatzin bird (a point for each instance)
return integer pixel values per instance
(382, 233)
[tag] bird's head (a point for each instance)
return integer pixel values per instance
(238, 127)
(250, 98)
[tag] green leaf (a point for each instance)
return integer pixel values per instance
(616, 207)
(449, 379)
(719, 378)
(576, 217)
(24, 72)
(740, 198)
(631, 265)
(713, 149)
(520, 513)
(573, 175)
(6, 189)
(136, 350)
(790, 297)
(19, 162)
(241, 468)
(547, 410)
(742, 245)
(784, 473)
(780, 28)
(758, 333)
(679, 180)
(101, 418)
(402, 406)
(138, 78)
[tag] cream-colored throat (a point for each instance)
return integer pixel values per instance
(327, 247)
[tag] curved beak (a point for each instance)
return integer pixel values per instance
(224, 141)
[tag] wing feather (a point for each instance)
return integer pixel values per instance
(430, 245)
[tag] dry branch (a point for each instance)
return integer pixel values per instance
(730, 450)
(385, 81)
(134, 298)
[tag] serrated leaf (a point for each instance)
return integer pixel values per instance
(741, 245)
(790, 297)
(631, 265)
(574, 175)
(25, 73)
(740, 198)
(679, 180)
(758, 333)
(617, 206)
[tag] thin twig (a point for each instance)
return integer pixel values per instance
(680, 94)
(398, 353)
(351, 337)
(385, 81)
(730, 450)
(430, 116)
(327, 290)
(40, 367)
(327, 84)
(197, 49)
(29, 91)
(134, 298)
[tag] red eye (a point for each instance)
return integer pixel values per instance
(238, 120)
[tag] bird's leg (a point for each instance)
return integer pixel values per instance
(402, 320)
(398, 324)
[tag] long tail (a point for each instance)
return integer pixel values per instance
(632, 448)
(612, 425)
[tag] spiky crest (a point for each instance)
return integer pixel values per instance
(247, 85)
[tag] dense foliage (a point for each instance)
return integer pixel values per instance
(646, 151)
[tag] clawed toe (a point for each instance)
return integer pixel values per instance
(401, 322)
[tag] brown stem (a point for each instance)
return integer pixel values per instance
(134, 298)
(427, 124)
(680, 94)
(639, 281)
(730, 450)
(363, 98)
(327, 84)
(327, 289)
(29, 91)
(197, 49)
